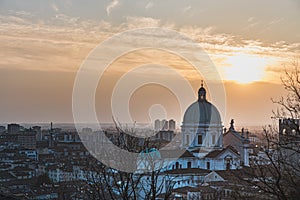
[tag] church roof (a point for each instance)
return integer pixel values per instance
(188, 171)
(216, 153)
(202, 112)
(187, 154)
(199, 150)
(238, 135)
(175, 154)
(200, 188)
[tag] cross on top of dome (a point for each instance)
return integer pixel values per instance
(202, 93)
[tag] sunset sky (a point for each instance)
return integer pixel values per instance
(43, 44)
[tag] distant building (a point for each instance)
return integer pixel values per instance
(165, 135)
(27, 140)
(2, 129)
(164, 125)
(202, 140)
(172, 125)
(87, 130)
(289, 130)
(71, 137)
(32, 154)
(4, 138)
(14, 128)
(240, 141)
(289, 142)
(254, 140)
(38, 131)
(157, 125)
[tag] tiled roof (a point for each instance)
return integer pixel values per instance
(183, 190)
(237, 135)
(199, 151)
(5, 175)
(187, 154)
(203, 189)
(188, 171)
(4, 197)
(175, 154)
(235, 176)
(215, 153)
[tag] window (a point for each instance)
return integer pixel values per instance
(284, 131)
(177, 165)
(199, 139)
(187, 139)
(208, 165)
(189, 165)
(213, 139)
(228, 162)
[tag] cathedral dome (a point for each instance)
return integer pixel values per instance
(202, 112)
(202, 126)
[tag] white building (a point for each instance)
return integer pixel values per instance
(202, 135)
(202, 141)
(202, 126)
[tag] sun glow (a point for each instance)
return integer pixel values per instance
(244, 68)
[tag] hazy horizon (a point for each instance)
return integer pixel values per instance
(44, 43)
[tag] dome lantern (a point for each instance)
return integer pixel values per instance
(202, 93)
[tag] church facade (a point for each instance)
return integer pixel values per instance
(202, 144)
(202, 136)
(202, 127)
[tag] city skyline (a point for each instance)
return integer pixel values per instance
(149, 99)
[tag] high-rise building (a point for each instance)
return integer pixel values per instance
(164, 125)
(13, 128)
(172, 125)
(2, 129)
(27, 139)
(38, 131)
(157, 125)
(87, 130)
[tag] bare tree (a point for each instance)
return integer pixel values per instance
(289, 106)
(103, 182)
(276, 174)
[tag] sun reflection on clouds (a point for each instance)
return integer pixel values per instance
(66, 40)
(245, 68)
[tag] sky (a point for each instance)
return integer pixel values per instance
(44, 43)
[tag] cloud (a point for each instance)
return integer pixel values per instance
(141, 22)
(253, 22)
(187, 9)
(58, 46)
(113, 4)
(62, 43)
(54, 7)
(149, 5)
(268, 26)
(251, 19)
